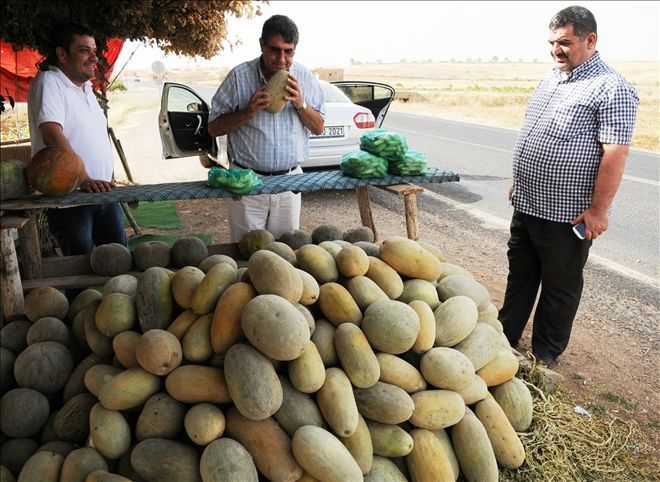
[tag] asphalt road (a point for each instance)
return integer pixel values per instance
(481, 155)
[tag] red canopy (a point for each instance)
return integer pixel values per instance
(17, 69)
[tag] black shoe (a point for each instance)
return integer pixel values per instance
(547, 360)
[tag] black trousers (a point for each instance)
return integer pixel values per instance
(546, 254)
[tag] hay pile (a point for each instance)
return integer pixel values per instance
(563, 445)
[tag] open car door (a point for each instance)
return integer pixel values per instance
(183, 124)
(374, 96)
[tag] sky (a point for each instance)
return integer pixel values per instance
(334, 32)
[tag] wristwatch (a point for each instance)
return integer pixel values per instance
(304, 106)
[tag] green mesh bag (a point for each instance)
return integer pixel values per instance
(362, 164)
(386, 144)
(236, 181)
(414, 164)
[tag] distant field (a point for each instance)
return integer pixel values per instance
(497, 93)
(485, 93)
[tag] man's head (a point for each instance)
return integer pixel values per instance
(72, 49)
(572, 38)
(279, 37)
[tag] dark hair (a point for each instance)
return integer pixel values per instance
(61, 35)
(280, 25)
(583, 20)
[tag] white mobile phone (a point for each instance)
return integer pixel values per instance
(579, 229)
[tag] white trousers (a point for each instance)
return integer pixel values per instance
(277, 213)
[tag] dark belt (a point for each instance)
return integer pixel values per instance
(272, 173)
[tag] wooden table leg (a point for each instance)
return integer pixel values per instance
(410, 201)
(28, 235)
(11, 288)
(131, 219)
(409, 193)
(366, 215)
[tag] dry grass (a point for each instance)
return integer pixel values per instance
(565, 445)
(123, 104)
(14, 123)
(208, 77)
(497, 93)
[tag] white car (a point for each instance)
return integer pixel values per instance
(352, 109)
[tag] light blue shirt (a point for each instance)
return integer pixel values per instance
(268, 142)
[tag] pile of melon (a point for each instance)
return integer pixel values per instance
(309, 359)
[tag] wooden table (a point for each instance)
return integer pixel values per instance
(75, 271)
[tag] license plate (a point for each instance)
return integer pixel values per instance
(330, 132)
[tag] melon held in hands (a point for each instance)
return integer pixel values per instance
(277, 92)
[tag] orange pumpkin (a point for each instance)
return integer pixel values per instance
(55, 171)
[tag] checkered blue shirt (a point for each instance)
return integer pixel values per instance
(558, 151)
(268, 142)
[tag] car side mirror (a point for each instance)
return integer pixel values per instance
(194, 107)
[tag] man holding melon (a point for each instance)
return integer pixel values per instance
(567, 165)
(63, 111)
(267, 117)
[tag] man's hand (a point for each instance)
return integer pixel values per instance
(595, 222)
(309, 117)
(96, 185)
(295, 94)
(226, 123)
(260, 100)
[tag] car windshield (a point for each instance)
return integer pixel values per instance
(333, 94)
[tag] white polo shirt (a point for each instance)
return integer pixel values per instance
(54, 98)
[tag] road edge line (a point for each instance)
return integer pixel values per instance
(494, 222)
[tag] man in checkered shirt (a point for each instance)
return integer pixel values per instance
(567, 166)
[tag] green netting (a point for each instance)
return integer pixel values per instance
(362, 164)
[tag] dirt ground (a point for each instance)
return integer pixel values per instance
(611, 365)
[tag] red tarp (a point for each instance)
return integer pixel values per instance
(17, 69)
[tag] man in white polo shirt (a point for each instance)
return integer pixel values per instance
(63, 111)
